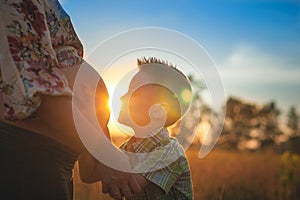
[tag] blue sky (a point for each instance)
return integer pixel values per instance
(255, 44)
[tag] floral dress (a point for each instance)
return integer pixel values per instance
(37, 40)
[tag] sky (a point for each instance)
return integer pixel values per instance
(255, 44)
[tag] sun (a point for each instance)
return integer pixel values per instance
(117, 130)
(115, 94)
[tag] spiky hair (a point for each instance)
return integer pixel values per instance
(154, 60)
(144, 60)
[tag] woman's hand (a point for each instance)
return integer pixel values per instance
(118, 192)
(118, 183)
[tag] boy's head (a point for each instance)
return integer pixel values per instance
(158, 91)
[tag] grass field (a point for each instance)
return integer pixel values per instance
(231, 175)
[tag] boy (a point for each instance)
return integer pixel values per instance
(158, 96)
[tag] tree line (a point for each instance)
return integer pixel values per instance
(247, 126)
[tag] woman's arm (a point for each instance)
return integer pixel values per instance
(54, 118)
(91, 101)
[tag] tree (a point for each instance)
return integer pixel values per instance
(293, 120)
(268, 116)
(238, 123)
(250, 126)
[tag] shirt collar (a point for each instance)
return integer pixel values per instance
(143, 145)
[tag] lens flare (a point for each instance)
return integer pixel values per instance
(186, 96)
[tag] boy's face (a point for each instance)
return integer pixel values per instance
(137, 101)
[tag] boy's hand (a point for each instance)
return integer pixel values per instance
(123, 190)
(118, 183)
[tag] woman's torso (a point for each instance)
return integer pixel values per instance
(53, 118)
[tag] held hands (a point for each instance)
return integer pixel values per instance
(117, 183)
(118, 189)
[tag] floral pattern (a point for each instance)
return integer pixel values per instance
(37, 41)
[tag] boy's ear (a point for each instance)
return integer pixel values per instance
(158, 111)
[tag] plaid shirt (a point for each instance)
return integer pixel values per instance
(172, 181)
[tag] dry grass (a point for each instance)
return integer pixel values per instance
(234, 175)
(226, 175)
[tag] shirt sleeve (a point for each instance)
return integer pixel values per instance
(165, 177)
(37, 39)
(167, 165)
(64, 40)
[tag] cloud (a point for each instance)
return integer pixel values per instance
(250, 64)
(260, 76)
